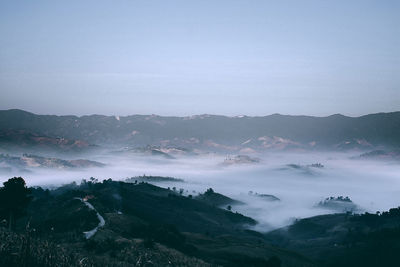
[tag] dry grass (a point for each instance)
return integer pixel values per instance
(23, 249)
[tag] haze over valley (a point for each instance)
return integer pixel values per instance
(240, 157)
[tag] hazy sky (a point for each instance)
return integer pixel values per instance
(192, 57)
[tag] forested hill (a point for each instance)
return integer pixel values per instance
(130, 224)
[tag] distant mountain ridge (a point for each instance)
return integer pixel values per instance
(21, 139)
(214, 131)
(26, 161)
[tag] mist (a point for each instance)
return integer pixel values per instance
(371, 185)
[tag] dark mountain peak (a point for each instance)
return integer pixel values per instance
(277, 115)
(16, 113)
(337, 115)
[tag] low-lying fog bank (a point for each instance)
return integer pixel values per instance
(291, 177)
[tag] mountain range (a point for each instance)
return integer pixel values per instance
(207, 132)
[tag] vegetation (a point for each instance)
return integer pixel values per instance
(145, 225)
(14, 198)
(339, 204)
(345, 239)
(149, 225)
(215, 199)
(152, 179)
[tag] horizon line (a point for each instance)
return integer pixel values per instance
(199, 115)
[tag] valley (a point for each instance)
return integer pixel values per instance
(204, 199)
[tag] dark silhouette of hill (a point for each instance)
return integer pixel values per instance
(140, 219)
(215, 199)
(149, 225)
(345, 239)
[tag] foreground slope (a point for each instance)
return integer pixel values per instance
(145, 225)
(345, 239)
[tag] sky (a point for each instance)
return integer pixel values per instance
(194, 57)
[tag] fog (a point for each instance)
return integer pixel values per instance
(371, 185)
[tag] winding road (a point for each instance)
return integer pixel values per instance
(102, 222)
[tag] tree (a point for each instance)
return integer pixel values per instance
(14, 198)
(209, 191)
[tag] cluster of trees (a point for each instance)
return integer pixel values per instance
(339, 198)
(14, 199)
